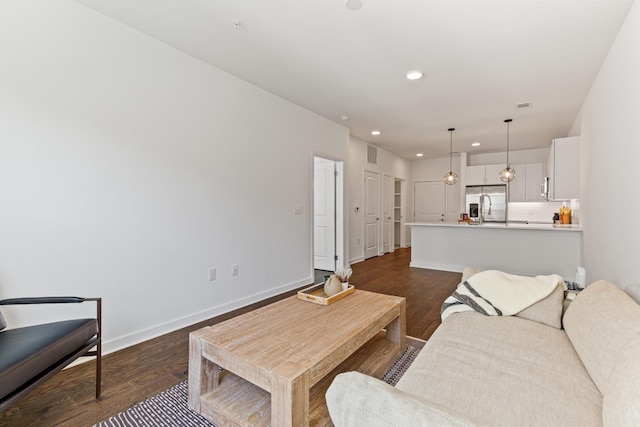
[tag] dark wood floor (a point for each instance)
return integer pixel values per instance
(139, 372)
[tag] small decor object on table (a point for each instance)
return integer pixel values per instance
(316, 295)
(332, 286)
(343, 274)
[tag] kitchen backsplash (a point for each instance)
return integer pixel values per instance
(537, 212)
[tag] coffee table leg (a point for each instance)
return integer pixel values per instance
(204, 375)
(397, 329)
(290, 395)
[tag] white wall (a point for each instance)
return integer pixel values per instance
(610, 132)
(128, 169)
(388, 164)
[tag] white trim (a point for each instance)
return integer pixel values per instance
(341, 225)
(340, 217)
(191, 319)
(441, 267)
(364, 220)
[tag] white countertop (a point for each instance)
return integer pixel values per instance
(502, 225)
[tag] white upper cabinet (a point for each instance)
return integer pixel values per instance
(534, 182)
(527, 186)
(563, 169)
(492, 174)
(475, 175)
(518, 187)
(484, 174)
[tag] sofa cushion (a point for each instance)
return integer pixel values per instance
(26, 352)
(547, 311)
(601, 322)
(355, 399)
(621, 404)
(504, 371)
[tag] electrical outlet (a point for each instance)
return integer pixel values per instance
(234, 270)
(212, 274)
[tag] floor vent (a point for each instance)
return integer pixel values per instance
(372, 154)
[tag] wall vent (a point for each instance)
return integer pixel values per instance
(372, 154)
(522, 105)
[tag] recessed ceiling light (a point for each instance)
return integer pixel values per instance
(419, 155)
(375, 132)
(475, 144)
(343, 117)
(414, 75)
(353, 4)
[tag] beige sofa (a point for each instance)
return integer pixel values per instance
(513, 371)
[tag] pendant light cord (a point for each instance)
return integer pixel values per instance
(508, 121)
(451, 149)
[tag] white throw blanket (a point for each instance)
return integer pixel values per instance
(495, 293)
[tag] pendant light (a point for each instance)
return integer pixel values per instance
(450, 177)
(507, 174)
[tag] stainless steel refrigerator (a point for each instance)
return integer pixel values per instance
(487, 203)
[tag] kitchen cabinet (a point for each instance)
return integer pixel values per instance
(527, 187)
(563, 169)
(517, 187)
(483, 174)
(534, 175)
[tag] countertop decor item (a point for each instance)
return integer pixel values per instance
(450, 177)
(507, 174)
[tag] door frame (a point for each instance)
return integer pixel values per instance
(388, 202)
(403, 208)
(339, 209)
(379, 251)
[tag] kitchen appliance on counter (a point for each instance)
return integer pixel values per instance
(487, 203)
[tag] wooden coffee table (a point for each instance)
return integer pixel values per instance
(273, 357)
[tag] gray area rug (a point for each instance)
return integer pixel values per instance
(169, 408)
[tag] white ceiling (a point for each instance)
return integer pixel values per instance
(480, 58)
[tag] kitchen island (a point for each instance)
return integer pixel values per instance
(518, 248)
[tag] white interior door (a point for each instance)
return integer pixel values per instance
(387, 214)
(371, 214)
(324, 218)
(429, 201)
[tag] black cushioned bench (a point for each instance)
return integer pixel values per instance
(31, 355)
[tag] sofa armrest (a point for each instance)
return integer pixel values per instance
(355, 399)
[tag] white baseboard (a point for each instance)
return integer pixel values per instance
(173, 325)
(433, 266)
(356, 260)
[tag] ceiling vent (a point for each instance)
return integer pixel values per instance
(372, 154)
(523, 105)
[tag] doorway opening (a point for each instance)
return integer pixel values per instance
(328, 218)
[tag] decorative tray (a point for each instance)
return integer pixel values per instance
(316, 294)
